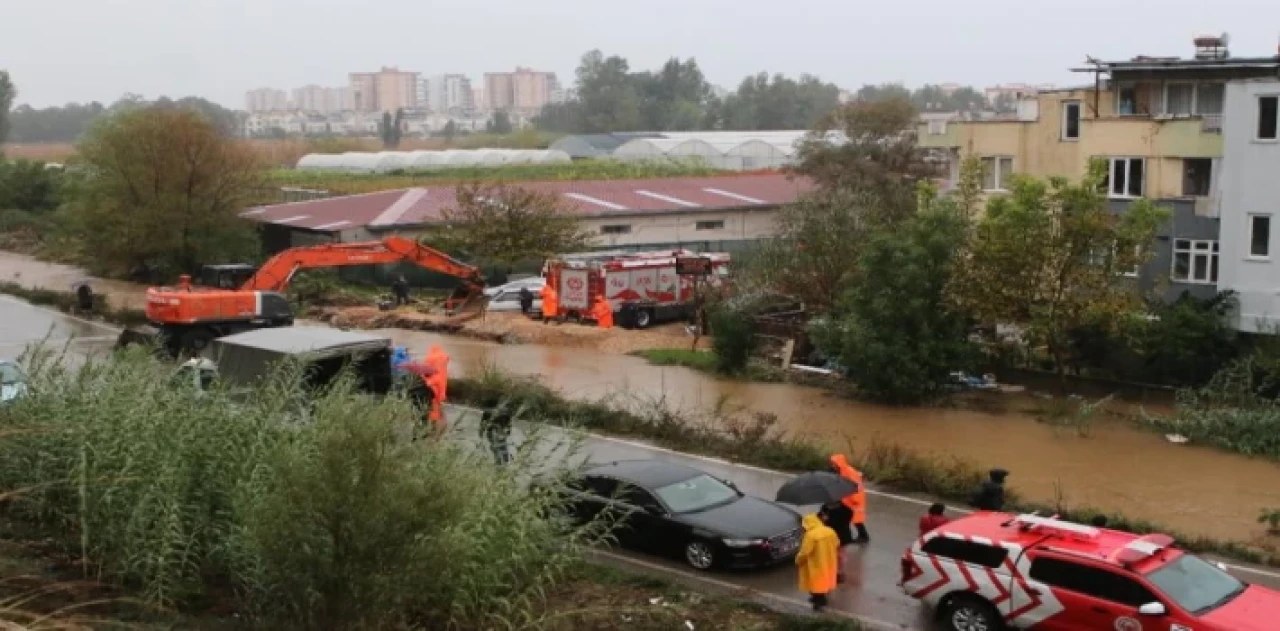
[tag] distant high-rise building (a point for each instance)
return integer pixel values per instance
(322, 100)
(448, 93)
(524, 90)
(266, 100)
(387, 90)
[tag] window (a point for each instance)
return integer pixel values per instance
(1179, 98)
(1260, 236)
(1209, 98)
(1126, 177)
(1268, 117)
(1071, 120)
(697, 493)
(967, 551)
(601, 487)
(1195, 261)
(709, 225)
(937, 127)
(1127, 100)
(1195, 584)
(1196, 176)
(638, 497)
(996, 172)
(1091, 581)
(616, 229)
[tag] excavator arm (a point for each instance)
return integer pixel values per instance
(275, 274)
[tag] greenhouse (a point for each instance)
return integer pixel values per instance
(387, 161)
(729, 150)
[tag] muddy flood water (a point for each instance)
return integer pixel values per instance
(1117, 467)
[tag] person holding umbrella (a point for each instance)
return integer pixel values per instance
(829, 490)
(857, 500)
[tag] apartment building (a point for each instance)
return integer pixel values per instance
(1175, 130)
(387, 90)
(524, 90)
(266, 100)
(448, 93)
(322, 100)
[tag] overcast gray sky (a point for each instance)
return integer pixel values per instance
(81, 50)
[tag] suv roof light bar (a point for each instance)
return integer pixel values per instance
(1054, 526)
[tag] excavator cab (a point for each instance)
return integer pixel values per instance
(230, 276)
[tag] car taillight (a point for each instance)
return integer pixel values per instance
(909, 569)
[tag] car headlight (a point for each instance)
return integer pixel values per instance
(743, 543)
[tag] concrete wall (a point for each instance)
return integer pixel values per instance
(681, 227)
(1250, 184)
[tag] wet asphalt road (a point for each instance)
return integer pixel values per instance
(870, 594)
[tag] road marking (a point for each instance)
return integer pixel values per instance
(795, 602)
(639, 445)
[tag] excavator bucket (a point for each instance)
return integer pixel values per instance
(467, 302)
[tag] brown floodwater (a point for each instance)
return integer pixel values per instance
(1194, 489)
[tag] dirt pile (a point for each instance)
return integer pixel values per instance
(511, 328)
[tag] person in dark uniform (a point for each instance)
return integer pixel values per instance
(84, 297)
(400, 287)
(526, 300)
(990, 496)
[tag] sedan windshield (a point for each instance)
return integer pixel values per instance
(1195, 584)
(695, 494)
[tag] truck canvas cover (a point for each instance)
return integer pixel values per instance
(249, 356)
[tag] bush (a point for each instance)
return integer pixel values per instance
(27, 185)
(315, 515)
(1236, 410)
(733, 339)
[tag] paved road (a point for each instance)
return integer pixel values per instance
(870, 595)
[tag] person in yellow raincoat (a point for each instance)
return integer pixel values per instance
(817, 560)
(856, 501)
(602, 312)
(438, 360)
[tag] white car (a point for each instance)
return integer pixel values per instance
(13, 381)
(509, 300)
(534, 283)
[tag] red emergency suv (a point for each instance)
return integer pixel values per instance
(992, 571)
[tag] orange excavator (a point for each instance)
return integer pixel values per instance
(235, 298)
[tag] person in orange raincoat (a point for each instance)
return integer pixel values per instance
(856, 501)
(550, 304)
(817, 560)
(602, 312)
(438, 360)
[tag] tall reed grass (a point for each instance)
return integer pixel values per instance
(300, 511)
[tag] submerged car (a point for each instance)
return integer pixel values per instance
(13, 381)
(674, 510)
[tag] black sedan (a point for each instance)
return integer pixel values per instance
(674, 510)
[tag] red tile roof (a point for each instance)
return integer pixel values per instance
(417, 206)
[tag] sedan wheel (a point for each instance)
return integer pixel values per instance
(699, 555)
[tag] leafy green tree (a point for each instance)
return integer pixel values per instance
(883, 92)
(733, 339)
(1050, 258)
(7, 94)
(450, 131)
(391, 129)
(778, 102)
(161, 192)
(675, 98)
(877, 157)
(503, 225)
(500, 123)
(30, 186)
(1188, 340)
(608, 93)
(894, 329)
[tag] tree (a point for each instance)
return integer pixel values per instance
(161, 191)
(894, 329)
(29, 186)
(878, 158)
(391, 129)
(778, 102)
(500, 123)
(610, 100)
(450, 131)
(814, 250)
(7, 94)
(504, 225)
(1050, 257)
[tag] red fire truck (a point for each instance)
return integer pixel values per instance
(642, 287)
